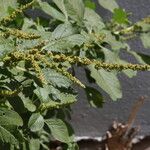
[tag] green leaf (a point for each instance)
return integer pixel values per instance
(43, 93)
(28, 104)
(120, 16)
(51, 11)
(63, 30)
(7, 137)
(61, 6)
(64, 38)
(6, 46)
(108, 4)
(10, 117)
(90, 4)
(57, 97)
(36, 122)
(59, 130)
(24, 146)
(94, 97)
(75, 9)
(4, 6)
(65, 43)
(145, 37)
(44, 146)
(110, 56)
(145, 58)
(34, 144)
(56, 78)
(25, 44)
(62, 96)
(93, 21)
(108, 81)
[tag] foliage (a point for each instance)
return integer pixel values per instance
(38, 55)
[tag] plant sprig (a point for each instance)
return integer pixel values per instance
(37, 61)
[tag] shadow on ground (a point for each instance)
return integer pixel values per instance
(91, 144)
(95, 145)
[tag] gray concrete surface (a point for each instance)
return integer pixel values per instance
(94, 122)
